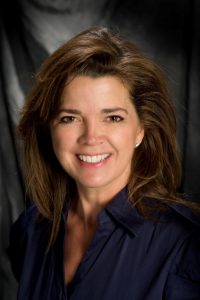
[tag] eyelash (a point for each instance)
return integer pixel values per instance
(115, 119)
(111, 119)
(67, 119)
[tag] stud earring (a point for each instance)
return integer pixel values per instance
(136, 145)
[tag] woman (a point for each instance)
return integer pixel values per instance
(102, 167)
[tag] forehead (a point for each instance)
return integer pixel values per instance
(103, 89)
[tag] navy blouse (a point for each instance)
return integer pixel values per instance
(129, 258)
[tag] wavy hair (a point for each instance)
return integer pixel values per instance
(96, 52)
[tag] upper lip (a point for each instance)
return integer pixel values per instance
(93, 158)
(93, 154)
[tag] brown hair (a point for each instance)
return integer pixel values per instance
(100, 52)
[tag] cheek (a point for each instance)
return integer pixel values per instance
(61, 141)
(124, 139)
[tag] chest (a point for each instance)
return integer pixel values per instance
(110, 264)
(116, 266)
(76, 242)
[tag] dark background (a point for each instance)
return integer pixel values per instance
(166, 30)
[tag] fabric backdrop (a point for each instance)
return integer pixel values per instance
(166, 30)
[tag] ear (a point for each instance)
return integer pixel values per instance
(140, 136)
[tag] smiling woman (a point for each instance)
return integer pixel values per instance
(95, 133)
(102, 167)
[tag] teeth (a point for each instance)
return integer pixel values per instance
(93, 159)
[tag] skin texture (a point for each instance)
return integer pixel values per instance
(83, 126)
(96, 117)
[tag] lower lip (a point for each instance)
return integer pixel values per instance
(93, 165)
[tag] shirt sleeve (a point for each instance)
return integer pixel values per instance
(17, 243)
(184, 278)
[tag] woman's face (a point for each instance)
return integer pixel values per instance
(95, 132)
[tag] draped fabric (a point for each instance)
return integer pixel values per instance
(166, 30)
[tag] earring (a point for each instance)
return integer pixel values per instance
(136, 145)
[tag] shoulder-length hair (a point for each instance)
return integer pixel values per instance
(96, 52)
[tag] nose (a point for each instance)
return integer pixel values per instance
(92, 134)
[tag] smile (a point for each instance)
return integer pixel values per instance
(93, 158)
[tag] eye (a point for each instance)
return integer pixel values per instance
(115, 119)
(67, 119)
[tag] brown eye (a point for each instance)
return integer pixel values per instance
(67, 119)
(115, 119)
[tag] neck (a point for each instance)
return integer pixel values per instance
(91, 201)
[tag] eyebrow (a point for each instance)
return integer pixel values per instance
(70, 111)
(114, 109)
(104, 110)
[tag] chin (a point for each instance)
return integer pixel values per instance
(92, 184)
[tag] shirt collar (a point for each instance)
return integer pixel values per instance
(125, 213)
(121, 209)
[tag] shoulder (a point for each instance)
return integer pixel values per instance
(185, 214)
(184, 276)
(178, 229)
(23, 234)
(184, 220)
(26, 218)
(174, 215)
(173, 226)
(29, 224)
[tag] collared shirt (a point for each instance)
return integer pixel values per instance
(129, 258)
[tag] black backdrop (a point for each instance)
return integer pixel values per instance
(167, 30)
